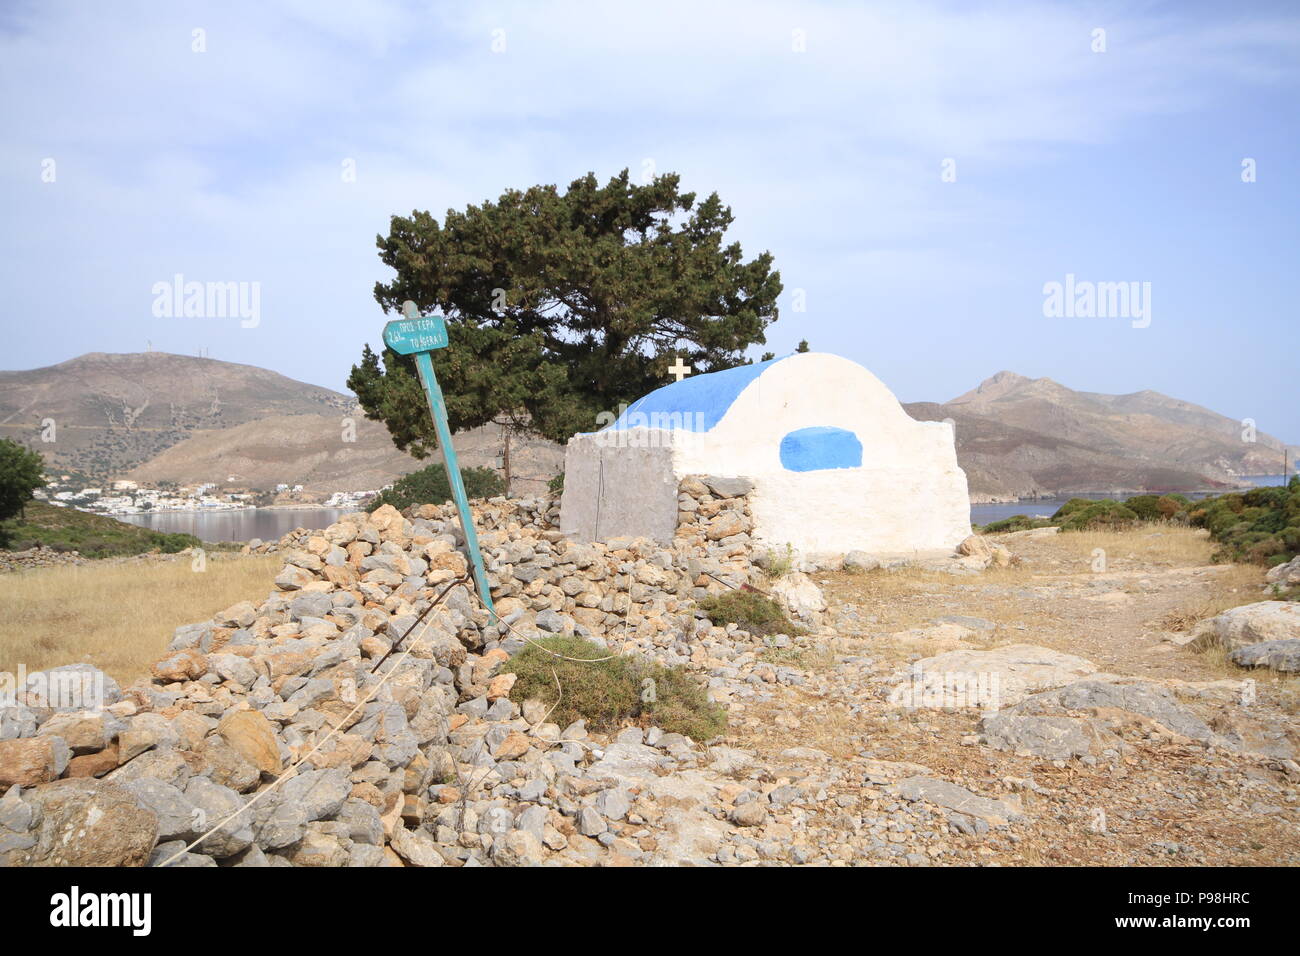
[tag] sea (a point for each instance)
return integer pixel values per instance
(1046, 507)
(270, 524)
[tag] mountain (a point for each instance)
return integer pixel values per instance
(1018, 436)
(157, 417)
(111, 412)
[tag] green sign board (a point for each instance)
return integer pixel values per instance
(416, 333)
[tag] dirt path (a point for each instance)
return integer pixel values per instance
(1157, 798)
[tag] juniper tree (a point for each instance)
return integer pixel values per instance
(21, 473)
(561, 305)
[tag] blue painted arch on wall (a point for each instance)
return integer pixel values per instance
(820, 448)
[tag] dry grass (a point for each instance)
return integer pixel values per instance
(118, 616)
(1153, 543)
(1235, 585)
(906, 598)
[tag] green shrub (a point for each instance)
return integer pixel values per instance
(1014, 523)
(94, 536)
(1260, 526)
(750, 611)
(1146, 507)
(556, 485)
(1070, 507)
(777, 564)
(429, 486)
(609, 694)
(1104, 515)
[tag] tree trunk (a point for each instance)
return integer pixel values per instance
(505, 459)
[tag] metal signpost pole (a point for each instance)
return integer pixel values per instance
(419, 335)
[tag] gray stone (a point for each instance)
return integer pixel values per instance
(727, 487)
(1147, 699)
(234, 668)
(15, 813)
(363, 854)
(534, 820)
(214, 803)
(750, 814)
(1052, 738)
(860, 561)
(784, 795)
(550, 621)
(590, 823)
(319, 794)
(362, 821)
(1249, 624)
(167, 852)
(614, 803)
(952, 797)
(17, 721)
(309, 604)
(1281, 656)
(178, 818)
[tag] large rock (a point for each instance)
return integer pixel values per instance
(800, 595)
(1281, 656)
(1136, 697)
(1052, 738)
(28, 761)
(71, 687)
(87, 822)
(85, 731)
(1249, 624)
(218, 809)
(1285, 574)
(952, 797)
(990, 679)
(251, 735)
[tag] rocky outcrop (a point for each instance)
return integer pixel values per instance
(1249, 624)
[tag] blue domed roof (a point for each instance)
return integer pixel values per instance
(696, 403)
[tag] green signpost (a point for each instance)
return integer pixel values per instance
(419, 335)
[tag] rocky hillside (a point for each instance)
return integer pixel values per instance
(157, 417)
(1019, 436)
(111, 412)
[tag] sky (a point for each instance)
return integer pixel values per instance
(921, 172)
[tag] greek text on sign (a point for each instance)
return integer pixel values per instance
(421, 334)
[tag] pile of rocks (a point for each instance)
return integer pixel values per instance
(38, 557)
(417, 760)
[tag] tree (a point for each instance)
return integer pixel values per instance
(429, 486)
(21, 472)
(803, 346)
(564, 305)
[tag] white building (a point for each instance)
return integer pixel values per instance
(835, 463)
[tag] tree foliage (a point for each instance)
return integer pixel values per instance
(564, 305)
(21, 472)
